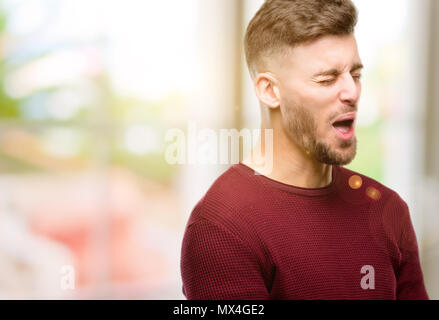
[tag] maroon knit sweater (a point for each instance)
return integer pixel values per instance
(251, 237)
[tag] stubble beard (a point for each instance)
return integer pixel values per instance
(302, 127)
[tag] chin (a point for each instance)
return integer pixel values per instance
(345, 157)
(335, 156)
(344, 161)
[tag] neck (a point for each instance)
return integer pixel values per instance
(291, 163)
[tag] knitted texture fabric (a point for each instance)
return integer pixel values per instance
(251, 237)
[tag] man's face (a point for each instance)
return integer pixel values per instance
(319, 85)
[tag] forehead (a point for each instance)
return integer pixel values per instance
(328, 52)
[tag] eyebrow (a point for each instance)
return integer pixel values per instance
(334, 72)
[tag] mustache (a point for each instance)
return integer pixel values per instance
(346, 109)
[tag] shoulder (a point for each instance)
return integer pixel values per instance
(225, 214)
(349, 177)
(384, 198)
(228, 198)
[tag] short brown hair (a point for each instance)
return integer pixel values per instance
(281, 24)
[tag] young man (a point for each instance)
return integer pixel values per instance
(308, 228)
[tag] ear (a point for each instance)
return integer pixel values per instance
(267, 90)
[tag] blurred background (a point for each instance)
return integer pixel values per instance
(90, 209)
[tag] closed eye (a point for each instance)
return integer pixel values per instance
(327, 82)
(356, 77)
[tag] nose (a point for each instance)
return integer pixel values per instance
(350, 90)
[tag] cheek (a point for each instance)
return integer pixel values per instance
(324, 127)
(317, 101)
(320, 102)
(320, 109)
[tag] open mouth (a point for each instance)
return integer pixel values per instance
(344, 128)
